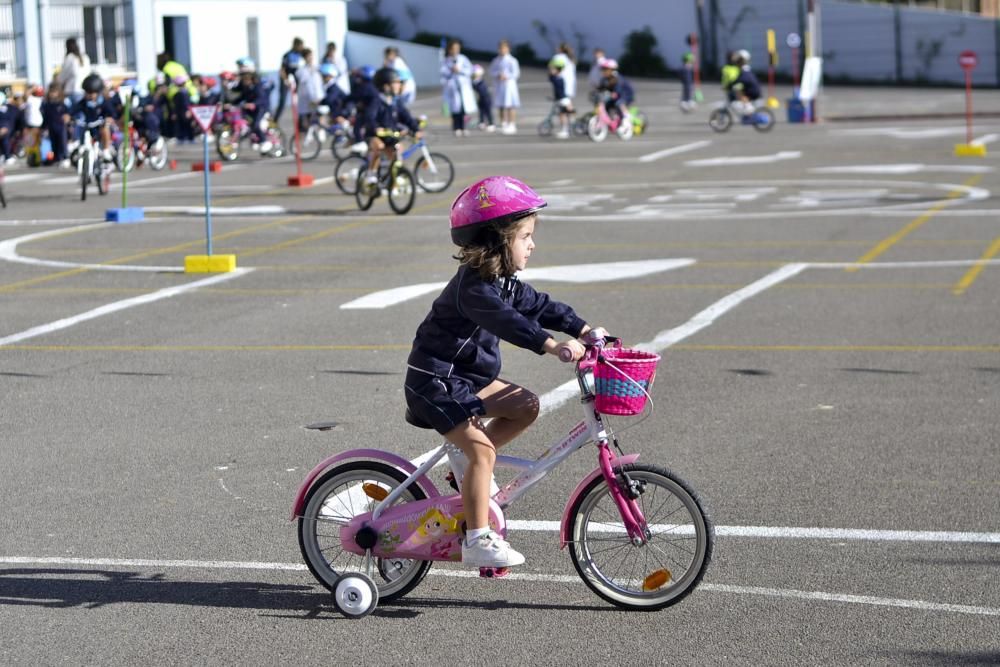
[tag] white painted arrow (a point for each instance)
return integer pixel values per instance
(749, 159)
(572, 273)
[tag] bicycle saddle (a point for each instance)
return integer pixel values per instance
(415, 420)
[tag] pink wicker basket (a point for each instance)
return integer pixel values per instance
(622, 380)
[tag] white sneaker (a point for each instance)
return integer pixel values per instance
(360, 148)
(266, 147)
(562, 134)
(491, 128)
(490, 550)
(65, 164)
(371, 179)
(11, 160)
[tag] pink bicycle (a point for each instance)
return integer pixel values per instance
(601, 122)
(233, 128)
(370, 522)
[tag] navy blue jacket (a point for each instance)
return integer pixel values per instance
(558, 87)
(461, 335)
(93, 112)
(748, 84)
(483, 97)
(390, 116)
(8, 116)
(52, 115)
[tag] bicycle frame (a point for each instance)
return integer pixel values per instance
(399, 520)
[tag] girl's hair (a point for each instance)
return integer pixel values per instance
(74, 48)
(491, 254)
(568, 50)
(452, 42)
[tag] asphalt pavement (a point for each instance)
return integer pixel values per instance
(830, 384)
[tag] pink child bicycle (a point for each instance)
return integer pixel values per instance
(370, 522)
(601, 122)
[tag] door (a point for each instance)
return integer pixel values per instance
(177, 39)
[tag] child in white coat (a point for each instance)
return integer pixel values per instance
(456, 87)
(505, 70)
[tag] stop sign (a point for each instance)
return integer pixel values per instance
(968, 60)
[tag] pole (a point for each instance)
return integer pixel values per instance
(208, 197)
(968, 105)
(795, 70)
(295, 121)
(696, 52)
(126, 146)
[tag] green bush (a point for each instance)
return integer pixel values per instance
(641, 57)
(375, 23)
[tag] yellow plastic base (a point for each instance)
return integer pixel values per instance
(970, 150)
(773, 103)
(209, 263)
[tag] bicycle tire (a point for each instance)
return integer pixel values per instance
(580, 124)
(434, 175)
(156, 155)
(279, 144)
(596, 130)
(311, 145)
(102, 176)
(720, 120)
(84, 174)
(625, 129)
(763, 119)
(345, 477)
(402, 191)
(227, 143)
(340, 145)
(591, 545)
(345, 174)
(3, 200)
(130, 163)
(364, 192)
(545, 128)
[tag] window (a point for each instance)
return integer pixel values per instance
(109, 34)
(100, 32)
(253, 39)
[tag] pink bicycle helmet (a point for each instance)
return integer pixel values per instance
(495, 201)
(607, 63)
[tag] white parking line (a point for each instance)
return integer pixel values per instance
(116, 306)
(683, 148)
(745, 159)
(820, 596)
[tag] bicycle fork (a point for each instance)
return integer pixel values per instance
(625, 498)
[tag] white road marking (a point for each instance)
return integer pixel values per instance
(219, 210)
(985, 139)
(902, 133)
(20, 178)
(138, 183)
(683, 148)
(573, 273)
(704, 587)
(746, 159)
(914, 168)
(116, 306)
(46, 221)
(8, 252)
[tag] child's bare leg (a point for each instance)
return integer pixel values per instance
(472, 439)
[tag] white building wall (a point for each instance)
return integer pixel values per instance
(423, 61)
(592, 22)
(218, 29)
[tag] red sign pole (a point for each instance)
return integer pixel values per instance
(299, 179)
(968, 105)
(968, 60)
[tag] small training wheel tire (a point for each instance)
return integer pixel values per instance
(355, 595)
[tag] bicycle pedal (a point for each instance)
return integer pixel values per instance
(494, 572)
(450, 478)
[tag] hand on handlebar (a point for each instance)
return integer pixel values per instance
(571, 350)
(594, 335)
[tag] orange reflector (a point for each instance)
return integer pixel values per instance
(656, 580)
(374, 491)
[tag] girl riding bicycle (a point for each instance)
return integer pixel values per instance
(387, 117)
(452, 381)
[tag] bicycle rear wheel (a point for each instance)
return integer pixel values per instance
(660, 572)
(345, 174)
(434, 172)
(720, 120)
(156, 154)
(402, 191)
(341, 494)
(311, 144)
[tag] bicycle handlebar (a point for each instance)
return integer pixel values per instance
(593, 349)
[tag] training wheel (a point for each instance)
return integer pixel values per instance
(355, 595)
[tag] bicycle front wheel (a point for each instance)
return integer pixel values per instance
(102, 175)
(434, 172)
(402, 191)
(596, 129)
(227, 143)
(345, 174)
(85, 173)
(763, 119)
(365, 192)
(663, 570)
(720, 120)
(338, 496)
(311, 144)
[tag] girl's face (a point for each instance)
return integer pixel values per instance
(503, 49)
(523, 243)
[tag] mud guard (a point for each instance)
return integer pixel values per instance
(371, 454)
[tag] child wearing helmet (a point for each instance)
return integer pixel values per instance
(556, 66)
(395, 61)
(453, 370)
(506, 70)
(746, 88)
(254, 96)
(363, 97)
(387, 115)
(94, 113)
(618, 92)
(483, 99)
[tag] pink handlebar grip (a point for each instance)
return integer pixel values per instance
(566, 355)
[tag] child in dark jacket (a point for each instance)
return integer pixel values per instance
(452, 381)
(54, 115)
(484, 99)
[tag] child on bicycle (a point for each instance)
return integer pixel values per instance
(255, 99)
(619, 92)
(452, 382)
(95, 114)
(560, 95)
(484, 100)
(746, 87)
(388, 115)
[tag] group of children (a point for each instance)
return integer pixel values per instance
(466, 90)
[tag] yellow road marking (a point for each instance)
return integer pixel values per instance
(406, 346)
(973, 273)
(890, 241)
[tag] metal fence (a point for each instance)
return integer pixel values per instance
(859, 42)
(9, 66)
